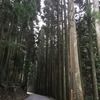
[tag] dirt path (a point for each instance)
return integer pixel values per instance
(36, 97)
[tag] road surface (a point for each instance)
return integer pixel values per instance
(36, 97)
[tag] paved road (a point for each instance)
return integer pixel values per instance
(36, 97)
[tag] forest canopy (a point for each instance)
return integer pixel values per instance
(58, 57)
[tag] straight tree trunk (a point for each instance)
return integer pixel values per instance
(97, 23)
(46, 59)
(3, 64)
(29, 44)
(63, 51)
(94, 78)
(75, 78)
(27, 65)
(59, 54)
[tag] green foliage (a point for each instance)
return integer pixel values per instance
(18, 9)
(88, 8)
(15, 19)
(96, 15)
(25, 12)
(88, 98)
(99, 86)
(16, 45)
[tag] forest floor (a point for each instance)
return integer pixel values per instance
(20, 95)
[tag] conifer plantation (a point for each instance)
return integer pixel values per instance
(50, 48)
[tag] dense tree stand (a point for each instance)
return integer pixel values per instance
(50, 48)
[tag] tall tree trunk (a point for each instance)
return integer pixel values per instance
(75, 78)
(95, 87)
(63, 50)
(46, 59)
(27, 65)
(59, 53)
(3, 64)
(97, 23)
(29, 44)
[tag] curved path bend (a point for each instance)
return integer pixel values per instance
(33, 96)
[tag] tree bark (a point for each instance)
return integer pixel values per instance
(97, 23)
(75, 78)
(95, 87)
